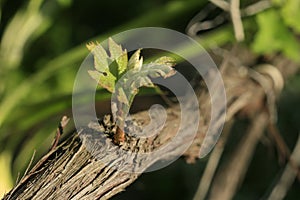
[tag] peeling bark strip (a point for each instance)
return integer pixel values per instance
(71, 172)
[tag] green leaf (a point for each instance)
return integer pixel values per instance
(109, 68)
(113, 69)
(100, 56)
(94, 74)
(116, 53)
(105, 80)
(137, 75)
(164, 66)
(136, 79)
(165, 60)
(135, 62)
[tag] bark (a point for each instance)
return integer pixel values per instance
(77, 168)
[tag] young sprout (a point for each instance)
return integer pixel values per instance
(123, 77)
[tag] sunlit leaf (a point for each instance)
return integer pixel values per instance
(155, 70)
(114, 70)
(165, 60)
(130, 75)
(94, 74)
(100, 56)
(135, 62)
(116, 53)
(105, 79)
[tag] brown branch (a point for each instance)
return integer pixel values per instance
(288, 176)
(284, 150)
(225, 185)
(212, 164)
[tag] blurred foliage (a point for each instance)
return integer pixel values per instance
(274, 35)
(274, 32)
(43, 44)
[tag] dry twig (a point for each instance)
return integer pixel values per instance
(237, 20)
(212, 164)
(229, 178)
(288, 176)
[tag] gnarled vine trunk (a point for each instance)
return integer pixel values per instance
(72, 171)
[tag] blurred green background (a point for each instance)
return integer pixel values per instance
(43, 44)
